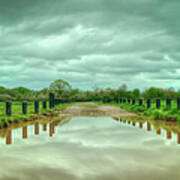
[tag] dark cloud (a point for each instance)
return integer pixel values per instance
(121, 41)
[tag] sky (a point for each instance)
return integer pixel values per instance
(89, 43)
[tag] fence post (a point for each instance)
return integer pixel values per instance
(8, 108)
(168, 103)
(51, 100)
(158, 103)
(120, 100)
(24, 107)
(140, 102)
(36, 107)
(133, 102)
(178, 103)
(44, 104)
(129, 101)
(149, 103)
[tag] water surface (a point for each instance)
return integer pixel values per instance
(91, 149)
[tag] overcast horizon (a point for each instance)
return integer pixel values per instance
(90, 43)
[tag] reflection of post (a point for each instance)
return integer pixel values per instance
(158, 131)
(169, 135)
(44, 127)
(50, 129)
(134, 124)
(37, 128)
(25, 132)
(9, 137)
(53, 127)
(178, 135)
(141, 125)
(148, 126)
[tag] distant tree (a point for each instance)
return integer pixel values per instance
(136, 93)
(59, 86)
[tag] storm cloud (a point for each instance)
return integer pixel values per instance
(103, 43)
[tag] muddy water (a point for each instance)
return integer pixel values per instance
(90, 149)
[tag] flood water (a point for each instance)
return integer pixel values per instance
(89, 148)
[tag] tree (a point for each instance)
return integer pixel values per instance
(59, 86)
(136, 93)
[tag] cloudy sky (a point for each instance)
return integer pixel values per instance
(90, 42)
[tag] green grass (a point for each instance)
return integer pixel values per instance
(163, 113)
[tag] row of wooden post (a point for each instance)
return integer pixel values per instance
(149, 102)
(36, 105)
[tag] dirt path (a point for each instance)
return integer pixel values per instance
(92, 109)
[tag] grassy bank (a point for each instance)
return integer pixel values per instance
(164, 113)
(17, 115)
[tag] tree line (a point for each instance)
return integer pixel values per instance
(63, 90)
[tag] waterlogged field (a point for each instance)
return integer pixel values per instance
(89, 148)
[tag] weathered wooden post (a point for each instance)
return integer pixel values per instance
(36, 107)
(8, 108)
(51, 100)
(140, 102)
(120, 100)
(134, 124)
(124, 100)
(149, 103)
(178, 103)
(168, 103)
(133, 102)
(158, 103)
(44, 104)
(129, 101)
(24, 107)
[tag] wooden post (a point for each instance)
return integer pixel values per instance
(168, 103)
(149, 103)
(158, 103)
(129, 122)
(129, 101)
(140, 102)
(8, 108)
(44, 104)
(24, 107)
(25, 132)
(134, 124)
(51, 100)
(36, 106)
(133, 102)
(120, 100)
(178, 103)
